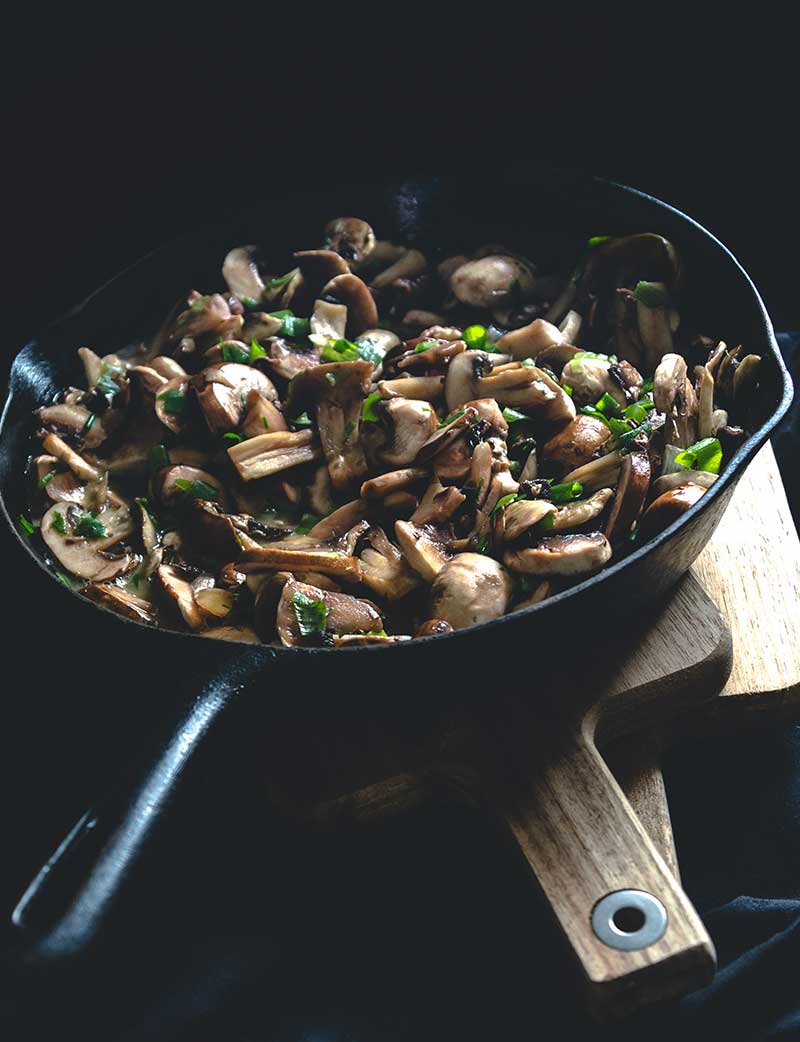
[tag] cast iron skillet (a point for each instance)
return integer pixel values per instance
(548, 214)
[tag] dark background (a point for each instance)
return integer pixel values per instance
(116, 140)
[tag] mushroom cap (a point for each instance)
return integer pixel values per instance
(470, 589)
(165, 489)
(461, 381)
(345, 614)
(350, 237)
(492, 282)
(590, 379)
(240, 271)
(561, 555)
(531, 340)
(350, 290)
(576, 443)
(411, 423)
(668, 507)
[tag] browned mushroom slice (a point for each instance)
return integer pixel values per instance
(433, 628)
(561, 555)
(423, 546)
(634, 481)
(172, 403)
(260, 325)
(470, 589)
(451, 429)
(576, 443)
(654, 323)
(166, 367)
(495, 281)
(306, 613)
(522, 515)
(209, 533)
(215, 603)
(360, 640)
(318, 267)
(150, 381)
(392, 481)
(120, 601)
(205, 314)
(384, 568)
(684, 477)
(435, 358)
(528, 387)
(423, 388)
(179, 483)
(286, 361)
(541, 592)
(242, 634)
(240, 271)
(57, 447)
(337, 390)
(438, 504)
(329, 320)
(61, 487)
(276, 559)
(408, 265)
(706, 424)
(531, 341)
(410, 424)
(580, 511)
(73, 419)
(87, 555)
(598, 473)
(270, 453)
(180, 594)
(222, 392)
(362, 314)
(260, 416)
(350, 237)
(591, 378)
(745, 381)
(668, 381)
(667, 508)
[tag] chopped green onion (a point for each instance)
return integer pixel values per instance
(474, 337)
(48, 477)
(69, 583)
(638, 410)
(157, 457)
(144, 503)
(249, 302)
(482, 547)
(303, 420)
(282, 280)
(608, 405)
(625, 440)
(233, 353)
(618, 427)
(593, 354)
(514, 467)
(339, 351)
(174, 402)
(504, 501)
(529, 363)
(307, 522)
(512, 416)
(592, 410)
(89, 421)
(196, 489)
(311, 614)
(647, 387)
(548, 522)
(349, 427)
(105, 382)
(703, 455)
(425, 345)
(566, 493)
(567, 389)
(651, 294)
(295, 328)
(368, 410)
(265, 422)
(286, 313)
(198, 305)
(598, 240)
(58, 523)
(91, 527)
(28, 527)
(452, 417)
(232, 438)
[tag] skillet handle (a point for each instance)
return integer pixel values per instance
(66, 909)
(631, 927)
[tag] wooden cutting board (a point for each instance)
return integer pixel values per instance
(751, 570)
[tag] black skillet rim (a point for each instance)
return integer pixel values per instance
(731, 474)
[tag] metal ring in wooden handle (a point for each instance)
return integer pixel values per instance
(583, 841)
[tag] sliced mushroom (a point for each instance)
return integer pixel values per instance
(77, 464)
(222, 391)
(561, 555)
(590, 378)
(598, 473)
(343, 614)
(438, 504)
(706, 422)
(170, 483)
(171, 403)
(240, 271)
(409, 424)
(531, 340)
(350, 237)
(675, 480)
(318, 267)
(277, 559)
(260, 416)
(120, 601)
(576, 444)
(522, 515)
(73, 420)
(628, 260)
(274, 452)
(433, 627)
(541, 592)
(422, 388)
(634, 481)
(61, 487)
(470, 589)
(179, 592)
(384, 568)
(329, 320)
(423, 547)
(493, 282)
(88, 558)
(211, 534)
(337, 524)
(392, 481)
(668, 381)
(530, 388)
(287, 361)
(241, 634)
(408, 265)
(350, 290)
(580, 511)
(166, 367)
(205, 314)
(655, 328)
(668, 507)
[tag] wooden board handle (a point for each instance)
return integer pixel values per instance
(584, 843)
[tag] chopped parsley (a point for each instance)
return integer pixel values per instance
(505, 501)
(475, 338)
(368, 410)
(89, 421)
(307, 522)
(157, 457)
(91, 527)
(282, 280)
(513, 416)
(232, 438)
(59, 523)
(232, 352)
(174, 402)
(196, 489)
(303, 420)
(566, 493)
(452, 417)
(311, 614)
(46, 479)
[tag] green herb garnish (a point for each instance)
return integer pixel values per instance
(59, 523)
(303, 420)
(256, 351)
(295, 328)
(637, 412)
(567, 389)
(89, 421)
(46, 479)
(144, 503)
(598, 240)
(513, 416)
(368, 410)
(504, 501)
(196, 489)
(233, 353)
(475, 338)
(282, 280)
(608, 405)
(452, 417)
(105, 382)
(232, 438)
(307, 522)
(425, 345)
(703, 455)
(651, 294)
(174, 402)
(311, 614)
(157, 457)
(566, 493)
(625, 440)
(28, 527)
(91, 527)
